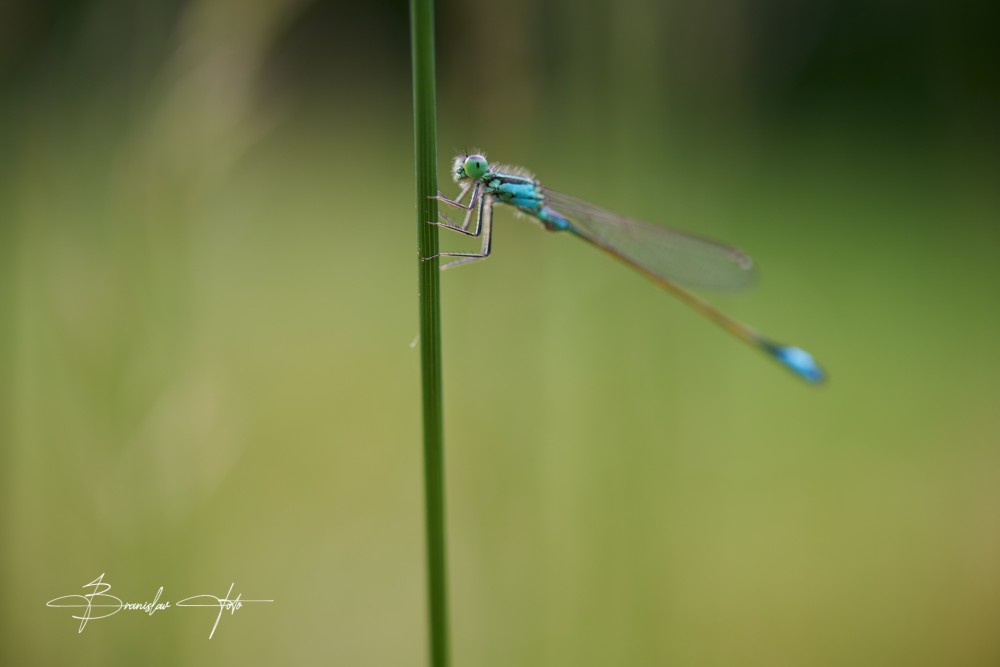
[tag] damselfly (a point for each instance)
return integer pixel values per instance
(669, 257)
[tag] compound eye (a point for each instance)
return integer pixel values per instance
(475, 166)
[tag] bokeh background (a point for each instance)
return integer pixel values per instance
(208, 303)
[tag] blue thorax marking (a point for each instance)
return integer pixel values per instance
(524, 193)
(520, 191)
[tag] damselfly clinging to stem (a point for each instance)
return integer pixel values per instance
(669, 257)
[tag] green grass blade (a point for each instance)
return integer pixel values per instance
(425, 147)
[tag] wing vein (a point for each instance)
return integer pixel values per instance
(669, 254)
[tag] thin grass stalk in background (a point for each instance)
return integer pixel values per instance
(425, 147)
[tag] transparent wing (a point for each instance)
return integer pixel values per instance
(665, 253)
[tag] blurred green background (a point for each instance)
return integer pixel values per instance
(208, 298)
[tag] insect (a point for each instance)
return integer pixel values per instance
(668, 257)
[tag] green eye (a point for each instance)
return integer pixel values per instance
(475, 166)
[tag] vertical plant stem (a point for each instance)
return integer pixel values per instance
(425, 147)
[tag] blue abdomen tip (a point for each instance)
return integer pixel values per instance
(799, 362)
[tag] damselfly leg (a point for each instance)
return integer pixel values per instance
(470, 209)
(484, 228)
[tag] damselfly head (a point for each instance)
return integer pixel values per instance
(471, 167)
